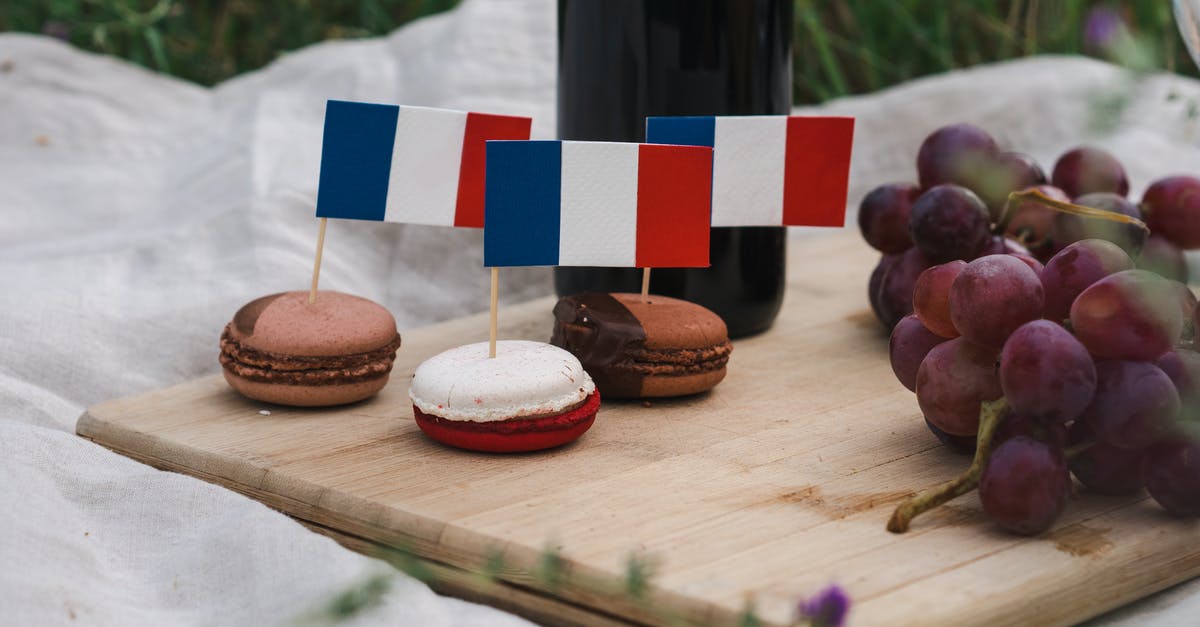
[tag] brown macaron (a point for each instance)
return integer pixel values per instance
(635, 348)
(281, 349)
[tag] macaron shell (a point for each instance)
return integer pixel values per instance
(306, 395)
(672, 323)
(524, 379)
(336, 324)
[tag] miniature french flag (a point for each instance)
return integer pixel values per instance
(769, 170)
(407, 164)
(572, 203)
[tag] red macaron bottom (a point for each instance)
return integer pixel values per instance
(516, 435)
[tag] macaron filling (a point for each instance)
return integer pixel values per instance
(556, 422)
(266, 367)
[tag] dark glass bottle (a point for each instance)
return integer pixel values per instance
(622, 60)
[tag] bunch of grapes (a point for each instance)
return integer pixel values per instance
(960, 210)
(1049, 332)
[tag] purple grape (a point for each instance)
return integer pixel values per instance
(993, 296)
(1172, 209)
(883, 217)
(1000, 245)
(1033, 264)
(1134, 405)
(910, 343)
(1046, 373)
(1163, 258)
(875, 285)
(1074, 269)
(1171, 472)
(896, 286)
(1182, 366)
(1085, 170)
(1025, 485)
(1104, 468)
(949, 222)
(1070, 228)
(1006, 173)
(931, 297)
(1013, 424)
(1132, 314)
(954, 154)
(1032, 223)
(957, 443)
(955, 377)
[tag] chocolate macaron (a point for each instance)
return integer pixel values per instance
(636, 348)
(530, 396)
(281, 349)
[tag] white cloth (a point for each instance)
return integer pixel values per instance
(139, 212)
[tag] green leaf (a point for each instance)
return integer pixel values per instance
(154, 40)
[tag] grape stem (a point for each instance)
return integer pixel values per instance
(990, 413)
(1011, 208)
(1071, 452)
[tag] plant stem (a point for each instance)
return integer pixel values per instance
(1072, 451)
(990, 413)
(1016, 198)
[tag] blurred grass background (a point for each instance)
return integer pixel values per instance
(841, 46)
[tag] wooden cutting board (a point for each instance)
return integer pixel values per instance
(763, 491)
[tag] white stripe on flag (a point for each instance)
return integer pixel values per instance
(423, 185)
(598, 211)
(748, 161)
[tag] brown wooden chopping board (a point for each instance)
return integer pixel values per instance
(761, 492)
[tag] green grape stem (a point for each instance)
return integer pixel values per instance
(1016, 198)
(1073, 451)
(990, 413)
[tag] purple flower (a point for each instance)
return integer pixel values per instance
(827, 608)
(57, 29)
(1102, 28)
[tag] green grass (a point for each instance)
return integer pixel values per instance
(842, 47)
(846, 47)
(207, 41)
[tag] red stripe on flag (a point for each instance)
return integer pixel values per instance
(674, 198)
(816, 171)
(480, 128)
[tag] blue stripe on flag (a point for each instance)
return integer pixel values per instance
(521, 203)
(682, 131)
(356, 160)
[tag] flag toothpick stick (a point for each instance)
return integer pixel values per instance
(492, 321)
(646, 284)
(312, 293)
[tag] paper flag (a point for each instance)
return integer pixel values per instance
(769, 170)
(573, 203)
(407, 164)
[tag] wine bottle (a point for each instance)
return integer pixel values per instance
(622, 60)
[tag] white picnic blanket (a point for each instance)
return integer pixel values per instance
(137, 212)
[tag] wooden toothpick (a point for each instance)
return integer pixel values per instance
(492, 321)
(312, 293)
(645, 284)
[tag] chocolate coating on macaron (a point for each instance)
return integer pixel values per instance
(634, 348)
